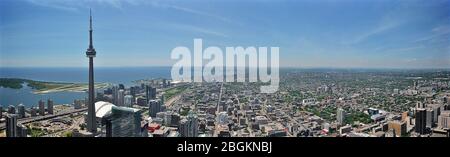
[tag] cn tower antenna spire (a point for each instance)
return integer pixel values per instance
(91, 50)
(90, 19)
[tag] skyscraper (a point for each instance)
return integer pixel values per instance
(41, 108)
(429, 120)
(340, 116)
(193, 125)
(77, 104)
(421, 116)
(50, 106)
(11, 124)
(125, 122)
(121, 86)
(128, 101)
(120, 99)
(444, 120)
(154, 107)
(189, 126)
(133, 91)
(162, 99)
(115, 95)
(150, 93)
(90, 53)
(21, 111)
(11, 109)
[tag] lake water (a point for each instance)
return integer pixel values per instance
(78, 75)
(25, 96)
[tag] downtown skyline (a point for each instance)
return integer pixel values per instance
(349, 34)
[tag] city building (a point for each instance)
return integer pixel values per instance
(309, 101)
(41, 108)
(115, 95)
(405, 116)
(77, 104)
(261, 120)
(128, 101)
(174, 119)
(222, 118)
(33, 112)
(436, 108)
(429, 118)
(21, 130)
(121, 86)
(134, 90)
(154, 107)
(90, 53)
(125, 122)
(1, 112)
(167, 118)
(420, 123)
(11, 109)
(50, 106)
(345, 129)
(121, 97)
(103, 111)
(378, 117)
(150, 92)
(141, 101)
(444, 119)
(21, 111)
(399, 127)
(162, 99)
(340, 116)
(420, 105)
(189, 126)
(373, 111)
(11, 124)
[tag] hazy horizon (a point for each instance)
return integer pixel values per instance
(281, 67)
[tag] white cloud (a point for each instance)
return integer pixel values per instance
(190, 28)
(61, 5)
(386, 24)
(76, 5)
(437, 33)
(197, 12)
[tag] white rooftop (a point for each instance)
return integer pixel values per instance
(103, 108)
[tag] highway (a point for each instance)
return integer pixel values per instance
(46, 117)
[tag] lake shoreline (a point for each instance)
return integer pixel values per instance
(43, 87)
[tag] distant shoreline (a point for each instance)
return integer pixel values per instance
(281, 67)
(43, 87)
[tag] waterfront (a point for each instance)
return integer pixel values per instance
(25, 95)
(119, 75)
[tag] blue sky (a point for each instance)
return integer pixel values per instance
(315, 33)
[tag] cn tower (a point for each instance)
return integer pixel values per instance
(90, 53)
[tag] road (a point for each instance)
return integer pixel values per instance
(216, 128)
(46, 117)
(75, 125)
